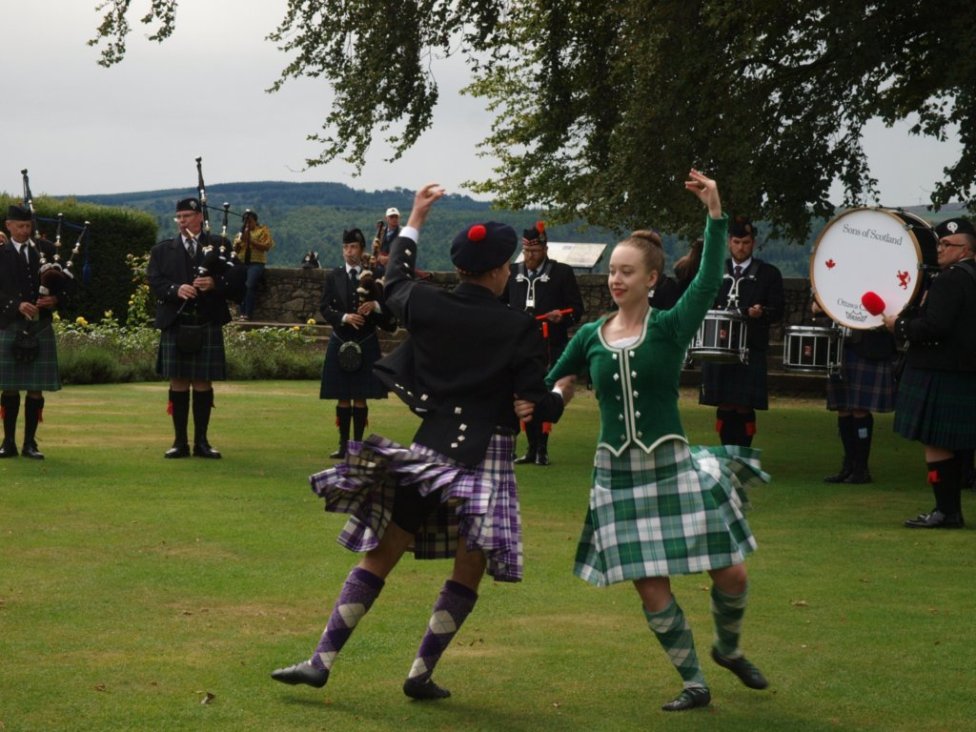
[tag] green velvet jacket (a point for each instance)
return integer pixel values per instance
(637, 386)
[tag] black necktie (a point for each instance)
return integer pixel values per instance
(191, 248)
(26, 252)
(737, 271)
(354, 274)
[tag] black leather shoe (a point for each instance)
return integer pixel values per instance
(178, 451)
(423, 690)
(696, 696)
(29, 450)
(840, 476)
(8, 449)
(936, 520)
(301, 673)
(340, 453)
(747, 673)
(858, 477)
(527, 458)
(542, 458)
(204, 450)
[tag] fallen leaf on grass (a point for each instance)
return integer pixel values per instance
(799, 603)
(101, 687)
(207, 698)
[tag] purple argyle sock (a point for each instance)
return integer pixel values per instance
(453, 605)
(358, 594)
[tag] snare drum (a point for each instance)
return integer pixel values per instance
(812, 349)
(721, 338)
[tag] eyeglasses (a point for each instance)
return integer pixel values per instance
(945, 244)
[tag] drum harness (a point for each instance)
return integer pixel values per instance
(523, 276)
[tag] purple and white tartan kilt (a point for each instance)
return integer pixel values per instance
(937, 407)
(676, 510)
(735, 383)
(479, 503)
(863, 383)
(41, 374)
(207, 364)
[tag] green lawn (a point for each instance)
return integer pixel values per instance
(133, 587)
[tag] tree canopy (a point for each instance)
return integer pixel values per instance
(600, 108)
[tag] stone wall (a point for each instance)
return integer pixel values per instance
(292, 296)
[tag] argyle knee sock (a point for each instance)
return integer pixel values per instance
(674, 635)
(727, 611)
(360, 418)
(453, 605)
(356, 598)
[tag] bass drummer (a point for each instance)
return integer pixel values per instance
(865, 384)
(937, 391)
(754, 289)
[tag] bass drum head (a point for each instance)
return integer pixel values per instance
(867, 250)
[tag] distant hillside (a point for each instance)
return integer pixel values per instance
(305, 216)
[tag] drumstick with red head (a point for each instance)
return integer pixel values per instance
(873, 302)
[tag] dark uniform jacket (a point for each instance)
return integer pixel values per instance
(468, 354)
(941, 334)
(761, 284)
(339, 297)
(554, 288)
(170, 266)
(20, 282)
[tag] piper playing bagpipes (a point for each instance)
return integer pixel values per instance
(28, 352)
(192, 275)
(547, 290)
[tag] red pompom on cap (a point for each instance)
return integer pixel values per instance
(477, 232)
(873, 303)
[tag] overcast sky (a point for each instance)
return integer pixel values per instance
(83, 129)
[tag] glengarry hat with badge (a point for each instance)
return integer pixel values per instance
(955, 226)
(188, 204)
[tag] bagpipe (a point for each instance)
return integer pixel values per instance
(56, 274)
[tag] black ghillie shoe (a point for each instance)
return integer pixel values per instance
(301, 673)
(423, 690)
(747, 673)
(936, 520)
(696, 696)
(527, 459)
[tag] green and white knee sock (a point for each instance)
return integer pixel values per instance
(674, 635)
(727, 610)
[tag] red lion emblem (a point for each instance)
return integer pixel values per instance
(903, 279)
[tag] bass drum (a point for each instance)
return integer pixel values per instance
(878, 250)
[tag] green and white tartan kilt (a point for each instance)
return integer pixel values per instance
(675, 510)
(39, 375)
(207, 364)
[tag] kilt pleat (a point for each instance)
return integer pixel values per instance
(479, 503)
(361, 384)
(208, 364)
(735, 383)
(937, 408)
(676, 510)
(42, 373)
(864, 383)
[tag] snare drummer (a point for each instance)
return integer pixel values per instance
(937, 392)
(353, 318)
(753, 288)
(864, 385)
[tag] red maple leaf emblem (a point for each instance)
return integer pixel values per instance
(830, 263)
(903, 279)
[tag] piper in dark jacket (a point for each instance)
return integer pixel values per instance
(191, 284)
(545, 289)
(22, 309)
(451, 493)
(937, 391)
(354, 314)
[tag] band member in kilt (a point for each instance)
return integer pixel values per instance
(191, 310)
(545, 289)
(659, 507)
(937, 391)
(354, 314)
(451, 493)
(28, 352)
(753, 288)
(865, 385)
